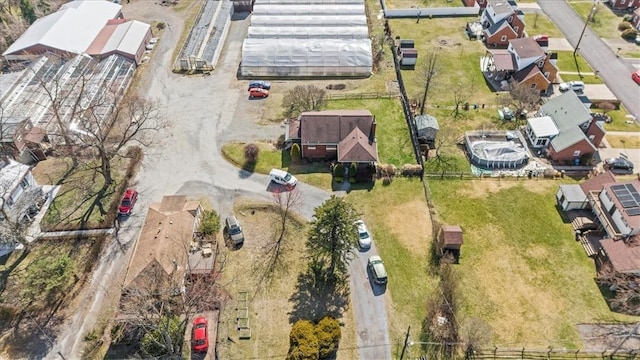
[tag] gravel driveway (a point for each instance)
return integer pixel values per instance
(204, 112)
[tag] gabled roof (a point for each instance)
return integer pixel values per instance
(426, 121)
(357, 147)
(331, 126)
(70, 29)
(528, 72)
(566, 110)
(569, 137)
(119, 36)
(503, 60)
(526, 48)
(497, 27)
(165, 238)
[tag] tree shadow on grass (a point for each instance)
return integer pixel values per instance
(318, 294)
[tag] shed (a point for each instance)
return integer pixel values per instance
(406, 44)
(450, 241)
(408, 57)
(427, 127)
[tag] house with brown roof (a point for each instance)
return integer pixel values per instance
(161, 256)
(623, 4)
(523, 62)
(22, 141)
(502, 22)
(481, 3)
(617, 208)
(347, 136)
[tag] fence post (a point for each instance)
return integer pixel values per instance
(522, 354)
(495, 350)
(549, 353)
(461, 175)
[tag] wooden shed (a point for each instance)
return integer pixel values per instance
(450, 241)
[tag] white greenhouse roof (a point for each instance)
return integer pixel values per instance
(543, 126)
(309, 20)
(332, 9)
(316, 32)
(307, 2)
(72, 28)
(309, 53)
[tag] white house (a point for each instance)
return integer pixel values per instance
(19, 190)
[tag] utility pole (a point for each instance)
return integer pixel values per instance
(593, 10)
(406, 342)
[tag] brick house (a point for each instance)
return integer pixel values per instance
(565, 130)
(502, 22)
(623, 4)
(523, 62)
(344, 135)
(22, 141)
(635, 20)
(470, 3)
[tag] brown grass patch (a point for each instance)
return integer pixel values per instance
(417, 235)
(624, 142)
(480, 189)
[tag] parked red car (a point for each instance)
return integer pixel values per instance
(128, 201)
(200, 334)
(635, 76)
(258, 92)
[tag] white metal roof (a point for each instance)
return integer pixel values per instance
(543, 126)
(317, 32)
(72, 28)
(332, 9)
(307, 52)
(127, 37)
(309, 20)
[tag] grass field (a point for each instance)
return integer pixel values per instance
(619, 121)
(404, 246)
(540, 24)
(521, 270)
(624, 142)
(587, 79)
(567, 62)
(603, 21)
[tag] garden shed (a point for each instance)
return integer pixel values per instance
(427, 127)
(450, 241)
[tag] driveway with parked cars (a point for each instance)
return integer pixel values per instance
(204, 112)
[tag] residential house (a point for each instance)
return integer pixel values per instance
(635, 20)
(481, 3)
(21, 196)
(427, 128)
(22, 141)
(565, 130)
(623, 4)
(574, 196)
(617, 208)
(161, 256)
(523, 62)
(347, 136)
(502, 22)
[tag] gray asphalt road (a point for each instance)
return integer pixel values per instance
(204, 112)
(615, 72)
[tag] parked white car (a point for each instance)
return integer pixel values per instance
(577, 86)
(364, 237)
(282, 177)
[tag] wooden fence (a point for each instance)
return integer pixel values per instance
(364, 95)
(537, 354)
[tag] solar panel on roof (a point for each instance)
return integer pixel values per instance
(629, 204)
(630, 187)
(633, 211)
(618, 187)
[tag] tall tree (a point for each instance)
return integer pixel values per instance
(427, 72)
(303, 98)
(522, 97)
(332, 236)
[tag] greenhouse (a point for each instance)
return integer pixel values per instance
(306, 58)
(321, 38)
(287, 10)
(315, 32)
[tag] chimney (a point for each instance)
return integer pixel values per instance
(372, 134)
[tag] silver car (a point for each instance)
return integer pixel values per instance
(376, 266)
(364, 237)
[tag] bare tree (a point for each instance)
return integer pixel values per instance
(286, 202)
(133, 121)
(522, 97)
(303, 98)
(461, 94)
(626, 293)
(426, 73)
(441, 156)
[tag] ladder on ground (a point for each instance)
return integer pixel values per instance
(242, 315)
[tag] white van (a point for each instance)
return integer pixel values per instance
(577, 86)
(282, 177)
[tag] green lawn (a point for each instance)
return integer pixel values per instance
(567, 62)
(603, 22)
(458, 60)
(521, 270)
(587, 79)
(540, 24)
(619, 121)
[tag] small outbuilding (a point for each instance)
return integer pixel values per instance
(450, 241)
(427, 128)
